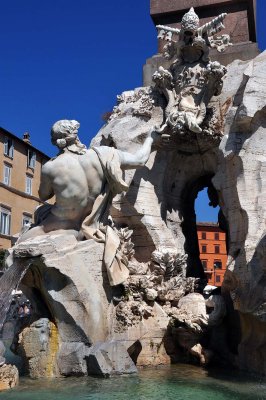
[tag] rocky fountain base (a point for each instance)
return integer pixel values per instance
(81, 326)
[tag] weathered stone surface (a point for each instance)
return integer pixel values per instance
(159, 205)
(71, 358)
(75, 296)
(240, 181)
(73, 282)
(38, 346)
(8, 377)
(110, 358)
(240, 51)
(144, 339)
(218, 306)
(75, 290)
(140, 206)
(2, 353)
(193, 303)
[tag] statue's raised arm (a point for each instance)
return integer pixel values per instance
(139, 158)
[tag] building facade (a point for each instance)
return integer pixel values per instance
(20, 172)
(213, 254)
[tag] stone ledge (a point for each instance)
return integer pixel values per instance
(241, 51)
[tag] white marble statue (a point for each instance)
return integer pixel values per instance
(192, 80)
(84, 181)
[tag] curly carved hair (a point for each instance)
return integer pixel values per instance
(64, 132)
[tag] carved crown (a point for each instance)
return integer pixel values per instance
(190, 21)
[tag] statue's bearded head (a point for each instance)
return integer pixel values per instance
(64, 133)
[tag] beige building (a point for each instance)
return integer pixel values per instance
(20, 170)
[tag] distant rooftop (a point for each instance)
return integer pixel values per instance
(27, 142)
(216, 225)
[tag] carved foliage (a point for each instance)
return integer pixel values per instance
(164, 281)
(168, 264)
(140, 103)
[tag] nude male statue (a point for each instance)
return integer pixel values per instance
(76, 177)
(84, 181)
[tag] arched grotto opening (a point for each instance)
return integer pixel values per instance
(190, 219)
(192, 193)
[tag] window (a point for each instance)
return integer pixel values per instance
(203, 235)
(216, 236)
(218, 278)
(26, 219)
(217, 249)
(204, 264)
(31, 159)
(217, 264)
(28, 184)
(8, 147)
(204, 249)
(5, 220)
(7, 174)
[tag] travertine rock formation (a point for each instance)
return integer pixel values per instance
(67, 286)
(159, 205)
(240, 182)
(8, 373)
(38, 345)
(8, 377)
(77, 318)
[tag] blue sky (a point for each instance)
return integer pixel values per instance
(70, 58)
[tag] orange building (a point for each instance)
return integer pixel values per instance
(213, 255)
(20, 172)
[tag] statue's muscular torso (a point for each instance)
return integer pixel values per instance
(75, 180)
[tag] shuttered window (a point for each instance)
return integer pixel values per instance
(5, 221)
(7, 174)
(28, 184)
(8, 147)
(31, 159)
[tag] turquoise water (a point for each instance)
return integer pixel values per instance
(179, 382)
